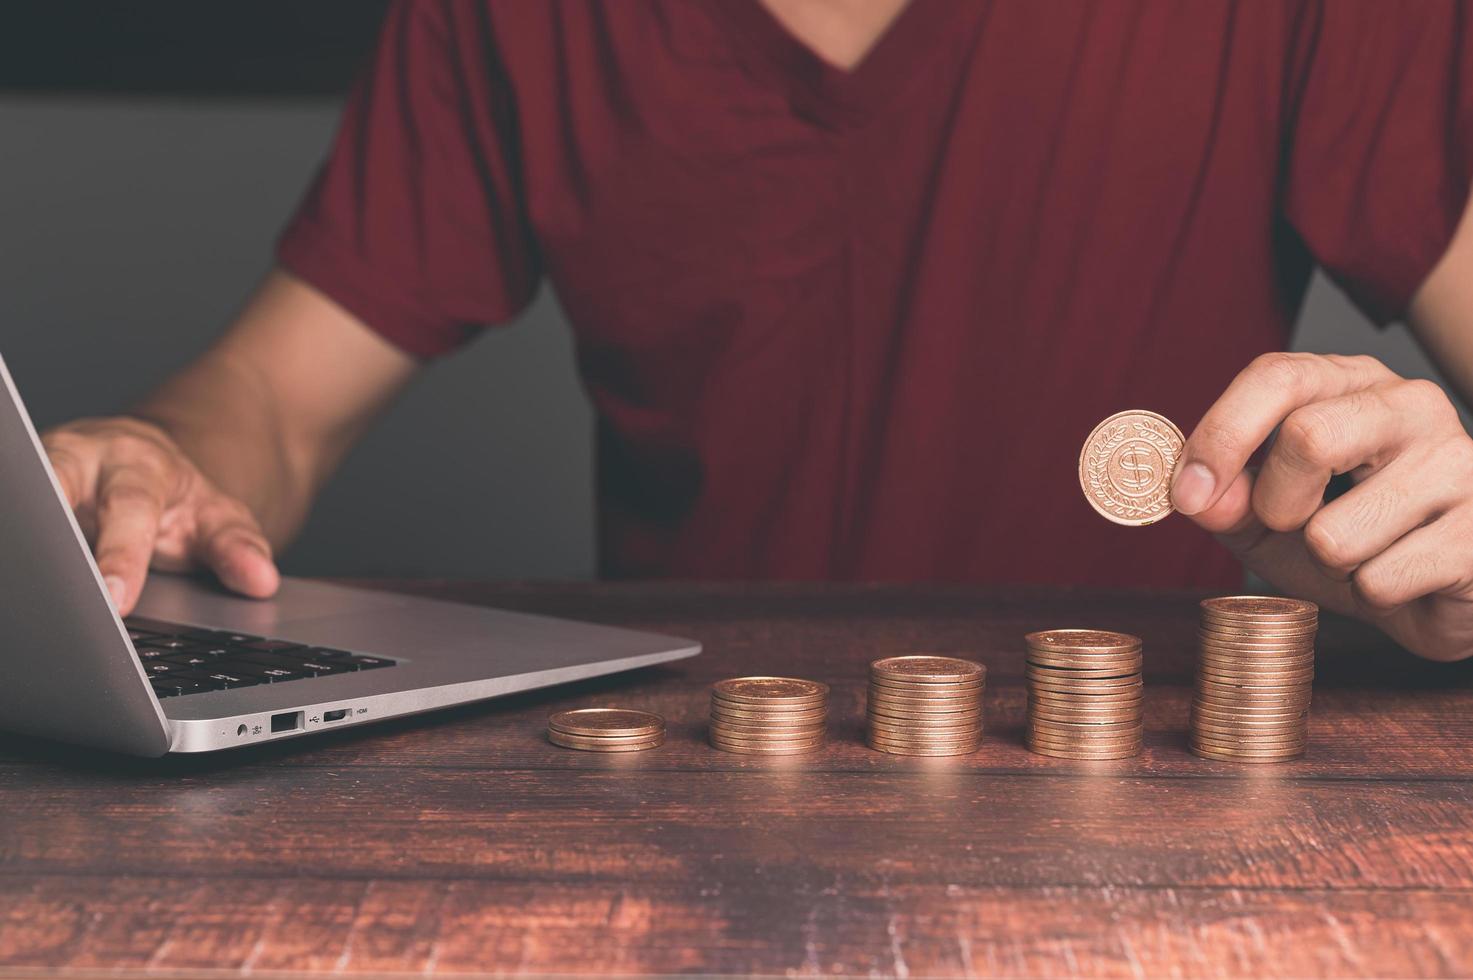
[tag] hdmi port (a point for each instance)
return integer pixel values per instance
(337, 715)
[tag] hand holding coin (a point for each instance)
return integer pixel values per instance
(1396, 549)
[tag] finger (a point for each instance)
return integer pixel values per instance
(1367, 428)
(1419, 564)
(1254, 404)
(128, 509)
(1410, 491)
(229, 542)
(76, 482)
(1233, 512)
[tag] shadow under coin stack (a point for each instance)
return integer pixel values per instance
(768, 715)
(925, 705)
(1255, 666)
(1084, 694)
(606, 730)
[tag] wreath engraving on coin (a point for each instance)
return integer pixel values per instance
(1126, 465)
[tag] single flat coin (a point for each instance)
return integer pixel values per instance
(919, 752)
(770, 690)
(783, 716)
(920, 707)
(928, 668)
(933, 717)
(1092, 729)
(606, 744)
(932, 735)
(1108, 756)
(1259, 608)
(742, 749)
(941, 698)
(606, 722)
(1126, 465)
(767, 730)
(1037, 740)
(1087, 666)
(1074, 672)
(1221, 715)
(1082, 685)
(1083, 641)
(1069, 695)
(927, 688)
(1243, 726)
(1250, 746)
(924, 727)
(925, 724)
(1116, 751)
(1250, 710)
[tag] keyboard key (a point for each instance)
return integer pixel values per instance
(153, 626)
(327, 653)
(154, 653)
(286, 662)
(360, 662)
(325, 667)
(189, 660)
(220, 636)
(270, 675)
(161, 667)
(176, 687)
(167, 690)
(138, 636)
(226, 678)
(269, 646)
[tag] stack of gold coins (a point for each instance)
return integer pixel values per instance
(1084, 694)
(925, 705)
(768, 715)
(1254, 670)
(606, 729)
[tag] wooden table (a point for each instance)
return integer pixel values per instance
(464, 842)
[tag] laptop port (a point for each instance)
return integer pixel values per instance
(287, 721)
(337, 714)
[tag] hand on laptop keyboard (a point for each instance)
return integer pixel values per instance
(183, 660)
(150, 505)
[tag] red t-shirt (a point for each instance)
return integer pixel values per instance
(856, 325)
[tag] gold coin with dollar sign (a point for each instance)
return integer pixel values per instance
(1126, 465)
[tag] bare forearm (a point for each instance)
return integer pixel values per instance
(221, 413)
(271, 409)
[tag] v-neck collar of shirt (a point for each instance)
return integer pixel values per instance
(914, 44)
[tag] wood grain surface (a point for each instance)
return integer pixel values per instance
(463, 842)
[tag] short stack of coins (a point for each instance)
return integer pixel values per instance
(768, 715)
(1084, 694)
(1255, 666)
(606, 729)
(925, 705)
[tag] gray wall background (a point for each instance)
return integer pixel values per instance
(132, 229)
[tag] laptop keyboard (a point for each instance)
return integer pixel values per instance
(183, 660)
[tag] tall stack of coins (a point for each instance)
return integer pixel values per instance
(1254, 670)
(925, 705)
(1084, 694)
(768, 715)
(606, 729)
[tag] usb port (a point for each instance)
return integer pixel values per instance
(338, 714)
(287, 721)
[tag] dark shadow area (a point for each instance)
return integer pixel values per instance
(186, 48)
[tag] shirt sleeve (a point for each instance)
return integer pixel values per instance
(416, 222)
(1381, 142)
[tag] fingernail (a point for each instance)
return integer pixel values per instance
(117, 588)
(1193, 488)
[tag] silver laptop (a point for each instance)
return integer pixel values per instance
(197, 670)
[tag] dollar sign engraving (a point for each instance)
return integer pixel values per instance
(1138, 472)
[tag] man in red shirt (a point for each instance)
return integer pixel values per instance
(852, 279)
